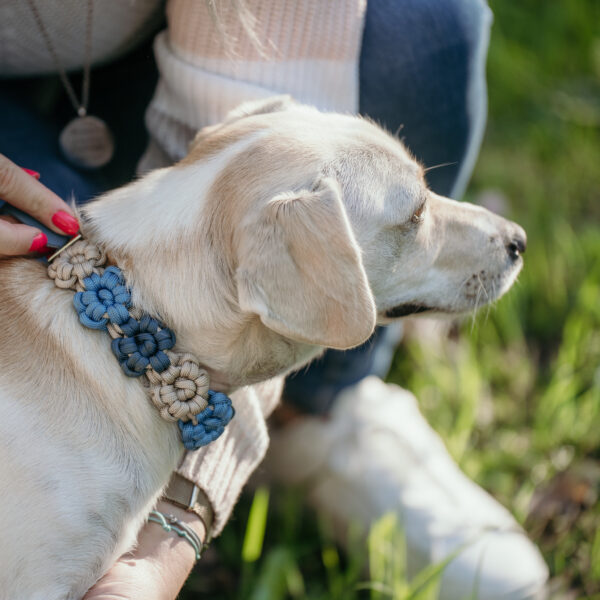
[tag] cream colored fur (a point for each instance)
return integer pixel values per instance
(283, 232)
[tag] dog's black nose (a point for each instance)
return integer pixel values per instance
(517, 243)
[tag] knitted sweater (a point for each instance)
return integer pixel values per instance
(209, 62)
(117, 27)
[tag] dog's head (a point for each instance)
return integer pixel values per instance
(313, 228)
(337, 230)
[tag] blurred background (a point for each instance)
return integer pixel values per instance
(514, 391)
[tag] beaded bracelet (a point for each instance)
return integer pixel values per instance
(172, 524)
(178, 386)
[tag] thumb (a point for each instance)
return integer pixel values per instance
(17, 239)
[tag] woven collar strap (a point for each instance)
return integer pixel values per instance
(187, 495)
(178, 386)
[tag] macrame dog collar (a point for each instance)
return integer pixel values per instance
(178, 386)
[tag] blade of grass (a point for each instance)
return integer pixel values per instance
(255, 530)
(254, 537)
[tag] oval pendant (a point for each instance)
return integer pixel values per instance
(87, 142)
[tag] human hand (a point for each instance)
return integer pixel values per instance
(19, 188)
(157, 568)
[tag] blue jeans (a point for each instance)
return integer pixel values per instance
(422, 71)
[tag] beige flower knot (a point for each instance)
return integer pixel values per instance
(76, 263)
(180, 391)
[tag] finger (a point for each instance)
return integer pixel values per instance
(20, 239)
(23, 191)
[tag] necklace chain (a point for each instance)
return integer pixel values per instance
(80, 107)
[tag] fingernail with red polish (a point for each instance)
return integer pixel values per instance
(65, 222)
(32, 173)
(38, 242)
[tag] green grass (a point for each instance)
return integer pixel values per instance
(515, 393)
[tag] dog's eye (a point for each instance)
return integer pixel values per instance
(417, 216)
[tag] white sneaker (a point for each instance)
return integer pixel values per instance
(376, 454)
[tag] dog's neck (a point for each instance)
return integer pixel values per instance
(156, 231)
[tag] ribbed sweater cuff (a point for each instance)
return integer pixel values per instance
(223, 467)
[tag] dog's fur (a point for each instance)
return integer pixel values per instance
(284, 231)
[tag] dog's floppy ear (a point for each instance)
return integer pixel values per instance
(300, 270)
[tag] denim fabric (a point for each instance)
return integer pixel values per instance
(422, 74)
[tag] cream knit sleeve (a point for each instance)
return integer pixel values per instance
(209, 63)
(223, 467)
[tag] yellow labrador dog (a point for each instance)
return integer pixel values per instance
(283, 232)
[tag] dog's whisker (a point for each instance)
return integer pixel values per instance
(491, 303)
(474, 312)
(459, 292)
(483, 287)
(439, 166)
(474, 315)
(477, 300)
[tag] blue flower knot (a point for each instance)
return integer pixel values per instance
(211, 422)
(105, 299)
(143, 345)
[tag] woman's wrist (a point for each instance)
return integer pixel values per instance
(167, 549)
(171, 556)
(158, 566)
